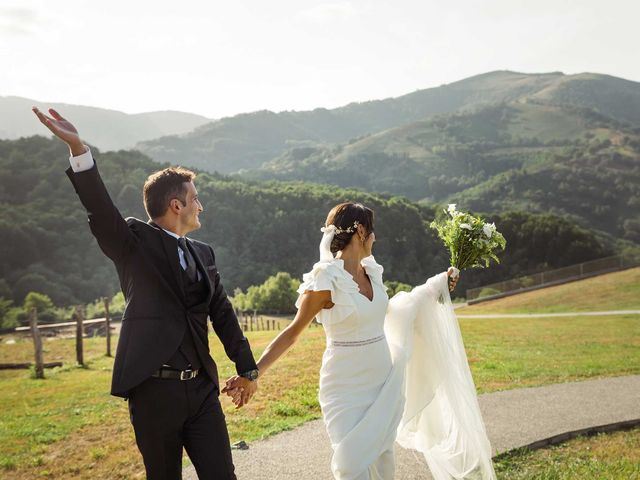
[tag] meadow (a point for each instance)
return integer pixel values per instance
(67, 425)
(613, 456)
(611, 291)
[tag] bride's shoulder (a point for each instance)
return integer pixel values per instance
(330, 275)
(327, 275)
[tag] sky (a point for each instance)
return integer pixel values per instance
(223, 58)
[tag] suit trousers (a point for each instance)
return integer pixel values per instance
(169, 414)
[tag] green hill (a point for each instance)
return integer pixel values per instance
(611, 291)
(520, 156)
(247, 141)
(257, 229)
(501, 141)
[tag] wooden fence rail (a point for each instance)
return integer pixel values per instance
(249, 321)
(78, 321)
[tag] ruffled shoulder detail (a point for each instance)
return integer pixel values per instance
(330, 275)
(374, 270)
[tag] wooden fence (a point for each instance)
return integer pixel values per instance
(249, 322)
(78, 321)
(252, 322)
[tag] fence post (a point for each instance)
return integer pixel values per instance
(37, 342)
(107, 324)
(79, 334)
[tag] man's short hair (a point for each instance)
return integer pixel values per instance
(163, 186)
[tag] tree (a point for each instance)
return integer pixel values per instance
(5, 307)
(277, 294)
(43, 305)
(395, 287)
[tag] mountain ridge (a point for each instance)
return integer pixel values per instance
(110, 129)
(244, 141)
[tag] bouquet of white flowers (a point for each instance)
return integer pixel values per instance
(470, 240)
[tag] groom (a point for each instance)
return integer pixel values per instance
(171, 286)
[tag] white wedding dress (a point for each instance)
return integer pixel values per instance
(396, 371)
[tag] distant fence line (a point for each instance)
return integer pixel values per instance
(248, 322)
(550, 277)
(251, 321)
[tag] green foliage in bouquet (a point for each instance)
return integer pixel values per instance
(471, 241)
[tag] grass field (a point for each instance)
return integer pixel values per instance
(67, 426)
(614, 456)
(612, 291)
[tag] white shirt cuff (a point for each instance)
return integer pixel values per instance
(82, 162)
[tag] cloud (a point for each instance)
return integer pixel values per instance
(17, 20)
(328, 12)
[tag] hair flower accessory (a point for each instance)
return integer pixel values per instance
(328, 229)
(350, 229)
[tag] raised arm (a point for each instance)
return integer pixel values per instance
(106, 223)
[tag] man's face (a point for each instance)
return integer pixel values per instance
(189, 213)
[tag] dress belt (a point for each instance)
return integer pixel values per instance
(356, 343)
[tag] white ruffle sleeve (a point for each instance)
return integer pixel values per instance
(441, 418)
(329, 275)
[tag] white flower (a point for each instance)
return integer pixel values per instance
(452, 208)
(488, 231)
(466, 226)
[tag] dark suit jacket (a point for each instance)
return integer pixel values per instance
(156, 314)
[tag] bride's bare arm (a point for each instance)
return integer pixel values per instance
(312, 303)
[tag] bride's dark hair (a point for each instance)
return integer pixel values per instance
(343, 216)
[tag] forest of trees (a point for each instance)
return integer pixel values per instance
(256, 229)
(567, 160)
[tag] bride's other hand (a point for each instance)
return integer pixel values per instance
(454, 276)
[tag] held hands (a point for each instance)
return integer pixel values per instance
(240, 390)
(454, 275)
(63, 129)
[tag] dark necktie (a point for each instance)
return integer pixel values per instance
(191, 270)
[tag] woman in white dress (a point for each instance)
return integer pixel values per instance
(392, 370)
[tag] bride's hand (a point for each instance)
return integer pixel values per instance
(453, 280)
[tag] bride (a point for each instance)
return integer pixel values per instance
(393, 370)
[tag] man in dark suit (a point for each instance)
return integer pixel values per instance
(171, 286)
